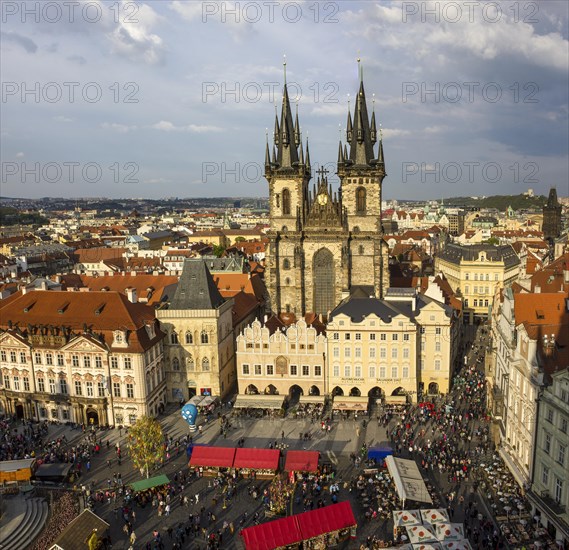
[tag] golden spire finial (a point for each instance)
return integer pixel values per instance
(284, 67)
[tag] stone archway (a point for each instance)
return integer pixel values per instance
(433, 388)
(251, 390)
(92, 417)
(337, 391)
(271, 390)
(399, 391)
(19, 410)
(314, 390)
(324, 280)
(295, 391)
(376, 393)
(355, 392)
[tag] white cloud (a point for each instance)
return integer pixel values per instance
(394, 132)
(19, 155)
(167, 126)
(120, 128)
(61, 118)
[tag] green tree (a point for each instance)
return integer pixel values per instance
(146, 444)
(218, 250)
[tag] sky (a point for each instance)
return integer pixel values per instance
(175, 98)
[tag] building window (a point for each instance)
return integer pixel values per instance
(372, 353)
(204, 337)
(437, 364)
(270, 370)
(49, 358)
(60, 361)
(98, 362)
(545, 475)
(37, 357)
(336, 352)
(63, 386)
(245, 369)
(438, 331)
(175, 364)
(360, 249)
(336, 336)
(547, 444)
(358, 371)
(101, 389)
(405, 372)
(383, 353)
(405, 353)
(317, 370)
(78, 390)
(3, 356)
(560, 452)
(127, 362)
(173, 338)
(549, 415)
(116, 389)
(358, 352)
(87, 362)
(17, 383)
(347, 336)
(65, 414)
(89, 389)
(358, 335)
(347, 371)
(563, 426)
(437, 346)
(394, 372)
(406, 338)
(393, 353)
(258, 370)
(114, 362)
(382, 372)
(286, 263)
(190, 364)
(347, 352)
(372, 336)
(466, 276)
(423, 330)
(293, 370)
(22, 357)
(130, 390)
(394, 337)
(75, 360)
(189, 338)
(205, 364)
(360, 200)
(26, 382)
(305, 370)
(286, 202)
(383, 337)
(372, 371)
(41, 385)
(558, 490)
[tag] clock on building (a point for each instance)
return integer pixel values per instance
(322, 199)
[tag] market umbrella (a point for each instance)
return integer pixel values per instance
(401, 518)
(508, 509)
(420, 534)
(523, 522)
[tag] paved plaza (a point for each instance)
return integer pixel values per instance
(336, 447)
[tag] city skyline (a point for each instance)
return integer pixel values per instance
(149, 119)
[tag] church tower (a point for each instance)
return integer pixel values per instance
(361, 174)
(551, 216)
(322, 244)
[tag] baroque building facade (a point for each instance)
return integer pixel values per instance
(322, 244)
(85, 357)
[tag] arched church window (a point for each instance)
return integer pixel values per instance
(205, 364)
(189, 338)
(360, 200)
(286, 202)
(286, 263)
(175, 364)
(204, 337)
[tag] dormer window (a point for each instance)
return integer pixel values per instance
(150, 330)
(119, 338)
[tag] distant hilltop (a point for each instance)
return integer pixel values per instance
(500, 202)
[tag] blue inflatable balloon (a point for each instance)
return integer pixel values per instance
(190, 415)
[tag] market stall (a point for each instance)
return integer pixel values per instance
(350, 403)
(316, 530)
(196, 400)
(264, 462)
(408, 480)
(17, 470)
(379, 454)
(261, 403)
(208, 403)
(310, 406)
(210, 460)
(302, 461)
(57, 472)
(150, 483)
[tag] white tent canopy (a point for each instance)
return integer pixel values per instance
(408, 480)
(435, 515)
(402, 518)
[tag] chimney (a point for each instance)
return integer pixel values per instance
(537, 289)
(43, 285)
(131, 294)
(58, 278)
(24, 290)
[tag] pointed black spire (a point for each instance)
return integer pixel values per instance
(349, 125)
(308, 166)
(274, 155)
(301, 154)
(296, 128)
(340, 153)
(267, 154)
(287, 153)
(276, 133)
(380, 158)
(361, 144)
(373, 129)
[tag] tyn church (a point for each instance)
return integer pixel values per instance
(325, 245)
